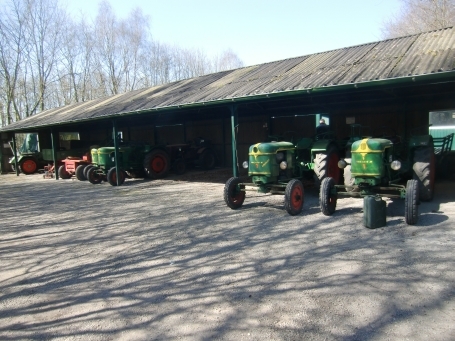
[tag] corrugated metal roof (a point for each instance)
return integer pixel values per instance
(416, 55)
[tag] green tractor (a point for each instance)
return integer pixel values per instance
(280, 167)
(379, 167)
(136, 160)
(29, 158)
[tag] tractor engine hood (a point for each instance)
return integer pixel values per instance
(368, 158)
(371, 145)
(269, 148)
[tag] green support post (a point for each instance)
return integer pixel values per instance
(16, 165)
(234, 142)
(54, 155)
(117, 168)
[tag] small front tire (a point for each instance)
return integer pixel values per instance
(80, 173)
(94, 176)
(411, 202)
(294, 197)
(112, 177)
(233, 194)
(328, 196)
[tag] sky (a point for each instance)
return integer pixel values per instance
(257, 31)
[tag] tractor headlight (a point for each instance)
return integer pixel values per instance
(395, 165)
(245, 164)
(342, 164)
(283, 165)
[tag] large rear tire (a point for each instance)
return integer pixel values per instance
(326, 165)
(233, 195)
(411, 202)
(62, 173)
(112, 177)
(157, 164)
(28, 166)
(327, 197)
(424, 172)
(294, 197)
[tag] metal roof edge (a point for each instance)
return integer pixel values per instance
(444, 75)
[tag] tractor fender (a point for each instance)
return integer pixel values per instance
(322, 146)
(22, 157)
(420, 141)
(200, 150)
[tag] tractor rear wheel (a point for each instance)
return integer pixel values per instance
(326, 165)
(157, 164)
(411, 202)
(294, 197)
(80, 173)
(327, 199)
(28, 166)
(207, 159)
(94, 176)
(112, 177)
(233, 196)
(62, 173)
(424, 171)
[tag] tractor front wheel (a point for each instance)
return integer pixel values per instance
(326, 165)
(112, 177)
(28, 166)
(157, 164)
(80, 173)
(411, 202)
(233, 195)
(94, 176)
(328, 196)
(86, 169)
(294, 197)
(424, 171)
(62, 173)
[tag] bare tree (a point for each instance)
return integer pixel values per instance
(12, 42)
(227, 60)
(418, 16)
(47, 59)
(45, 20)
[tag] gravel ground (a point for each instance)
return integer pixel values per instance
(168, 260)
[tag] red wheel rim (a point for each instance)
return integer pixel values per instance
(114, 177)
(158, 164)
(29, 166)
(296, 197)
(237, 196)
(332, 167)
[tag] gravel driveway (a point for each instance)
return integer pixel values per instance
(168, 260)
